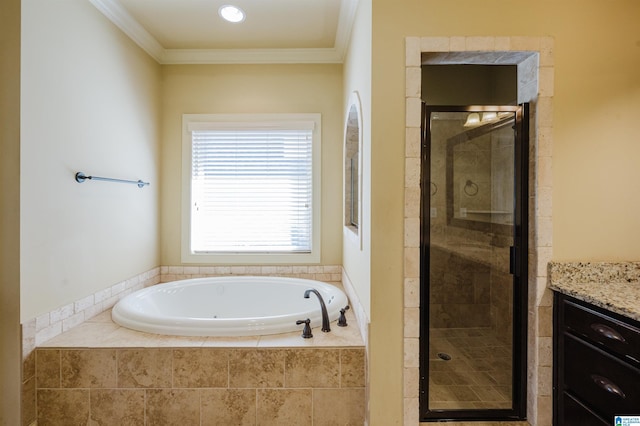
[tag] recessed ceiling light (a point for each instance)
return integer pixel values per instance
(231, 13)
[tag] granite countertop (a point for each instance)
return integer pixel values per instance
(612, 286)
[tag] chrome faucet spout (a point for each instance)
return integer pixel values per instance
(325, 316)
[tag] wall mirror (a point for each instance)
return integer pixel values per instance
(479, 170)
(353, 166)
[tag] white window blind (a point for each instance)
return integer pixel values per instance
(251, 189)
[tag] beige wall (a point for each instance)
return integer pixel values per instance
(10, 359)
(90, 102)
(232, 89)
(357, 78)
(596, 98)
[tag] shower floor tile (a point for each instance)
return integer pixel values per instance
(478, 375)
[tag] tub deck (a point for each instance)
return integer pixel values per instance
(101, 332)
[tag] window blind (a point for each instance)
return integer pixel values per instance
(251, 190)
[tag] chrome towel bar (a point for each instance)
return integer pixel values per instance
(81, 177)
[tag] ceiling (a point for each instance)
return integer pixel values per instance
(274, 31)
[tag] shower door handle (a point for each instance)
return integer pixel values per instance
(513, 261)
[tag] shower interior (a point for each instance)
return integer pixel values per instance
(474, 228)
(470, 291)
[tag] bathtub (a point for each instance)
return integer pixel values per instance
(227, 306)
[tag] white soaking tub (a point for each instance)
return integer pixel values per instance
(227, 306)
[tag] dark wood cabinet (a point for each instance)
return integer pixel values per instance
(596, 373)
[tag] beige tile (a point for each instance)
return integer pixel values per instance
(457, 43)
(62, 407)
(412, 293)
(545, 410)
(173, 407)
(144, 368)
(88, 334)
(545, 321)
(200, 368)
(411, 382)
(28, 401)
(412, 176)
(288, 340)
(412, 322)
(412, 202)
(48, 368)
(127, 338)
(88, 368)
(352, 368)
(312, 368)
(249, 368)
(339, 336)
(480, 43)
(231, 342)
(284, 407)
(545, 381)
(452, 393)
(338, 407)
(29, 365)
(117, 407)
(411, 352)
(411, 409)
(545, 351)
(223, 407)
(412, 142)
(103, 317)
(434, 44)
(412, 51)
(488, 393)
(412, 262)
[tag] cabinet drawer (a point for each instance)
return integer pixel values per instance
(606, 384)
(620, 338)
(575, 414)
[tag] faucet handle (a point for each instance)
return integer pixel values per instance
(342, 321)
(306, 332)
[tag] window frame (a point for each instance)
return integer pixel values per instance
(249, 121)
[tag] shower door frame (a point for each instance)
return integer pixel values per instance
(518, 267)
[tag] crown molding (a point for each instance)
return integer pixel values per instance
(251, 56)
(345, 25)
(120, 17)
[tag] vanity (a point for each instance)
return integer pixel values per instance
(596, 343)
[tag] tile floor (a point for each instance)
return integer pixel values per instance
(478, 375)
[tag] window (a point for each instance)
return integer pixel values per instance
(251, 187)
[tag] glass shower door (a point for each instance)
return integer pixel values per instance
(473, 277)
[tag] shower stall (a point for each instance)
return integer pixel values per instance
(474, 262)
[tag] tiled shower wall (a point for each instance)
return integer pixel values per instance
(200, 386)
(460, 291)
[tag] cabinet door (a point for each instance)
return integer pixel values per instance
(609, 333)
(607, 385)
(575, 414)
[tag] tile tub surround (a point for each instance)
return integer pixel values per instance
(61, 324)
(613, 286)
(327, 273)
(103, 371)
(193, 386)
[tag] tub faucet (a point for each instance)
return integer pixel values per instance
(323, 307)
